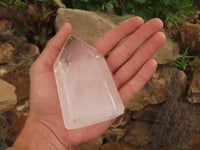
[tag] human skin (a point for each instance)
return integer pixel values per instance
(130, 63)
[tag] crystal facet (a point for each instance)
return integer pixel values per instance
(86, 89)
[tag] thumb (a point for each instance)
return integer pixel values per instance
(52, 49)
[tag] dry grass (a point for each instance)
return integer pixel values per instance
(177, 120)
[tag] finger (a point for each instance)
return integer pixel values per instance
(131, 67)
(108, 41)
(130, 89)
(52, 49)
(128, 47)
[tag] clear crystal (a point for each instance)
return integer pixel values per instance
(86, 89)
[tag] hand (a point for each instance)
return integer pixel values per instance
(130, 63)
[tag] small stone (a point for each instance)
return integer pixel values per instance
(4, 24)
(119, 146)
(6, 53)
(196, 16)
(17, 74)
(86, 89)
(197, 62)
(195, 48)
(17, 118)
(7, 12)
(91, 145)
(194, 89)
(114, 134)
(122, 120)
(194, 143)
(198, 22)
(139, 134)
(8, 98)
(189, 33)
(198, 12)
(155, 91)
(149, 113)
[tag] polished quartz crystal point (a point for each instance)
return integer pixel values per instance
(86, 89)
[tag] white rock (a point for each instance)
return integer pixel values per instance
(86, 89)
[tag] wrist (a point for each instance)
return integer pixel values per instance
(35, 135)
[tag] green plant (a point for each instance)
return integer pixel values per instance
(171, 12)
(184, 62)
(35, 18)
(93, 5)
(5, 3)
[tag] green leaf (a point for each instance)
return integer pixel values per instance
(3, 4)
(59, 3)
(140, 1)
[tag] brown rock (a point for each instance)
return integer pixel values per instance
(195, 48)
(4, 24)
(167, 53)
(8, 98)
(18, 78)
(196, 16)
(149, 113)
(155, 91)
(195, 142)
(92, 145)
(17, 118)
(194, 89)
(139, 134)
(18, 75)
(7, 12)
(122, 120)
(197, 66)
(189, 33)
(119, 128)
(6, 53)
(89, 26)
(120, 146)
(114, 134)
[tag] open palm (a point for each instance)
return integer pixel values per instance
(130, 62)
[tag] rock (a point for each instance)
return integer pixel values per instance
(8, 98)
(120, 146)
(122, 120)
(195, 144)
(119, 128)
(194, 89)
(115, 134)
(139, 134)
(18, 117)
(92, 145)
(197, 62)
(195, 48)
(6, 53)
(155, 91)
(18, 78)
(189, 33)
(149, 113)
(18, 74)
(7, 12)
(4, 24)
(86, 25)
(167, 53)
